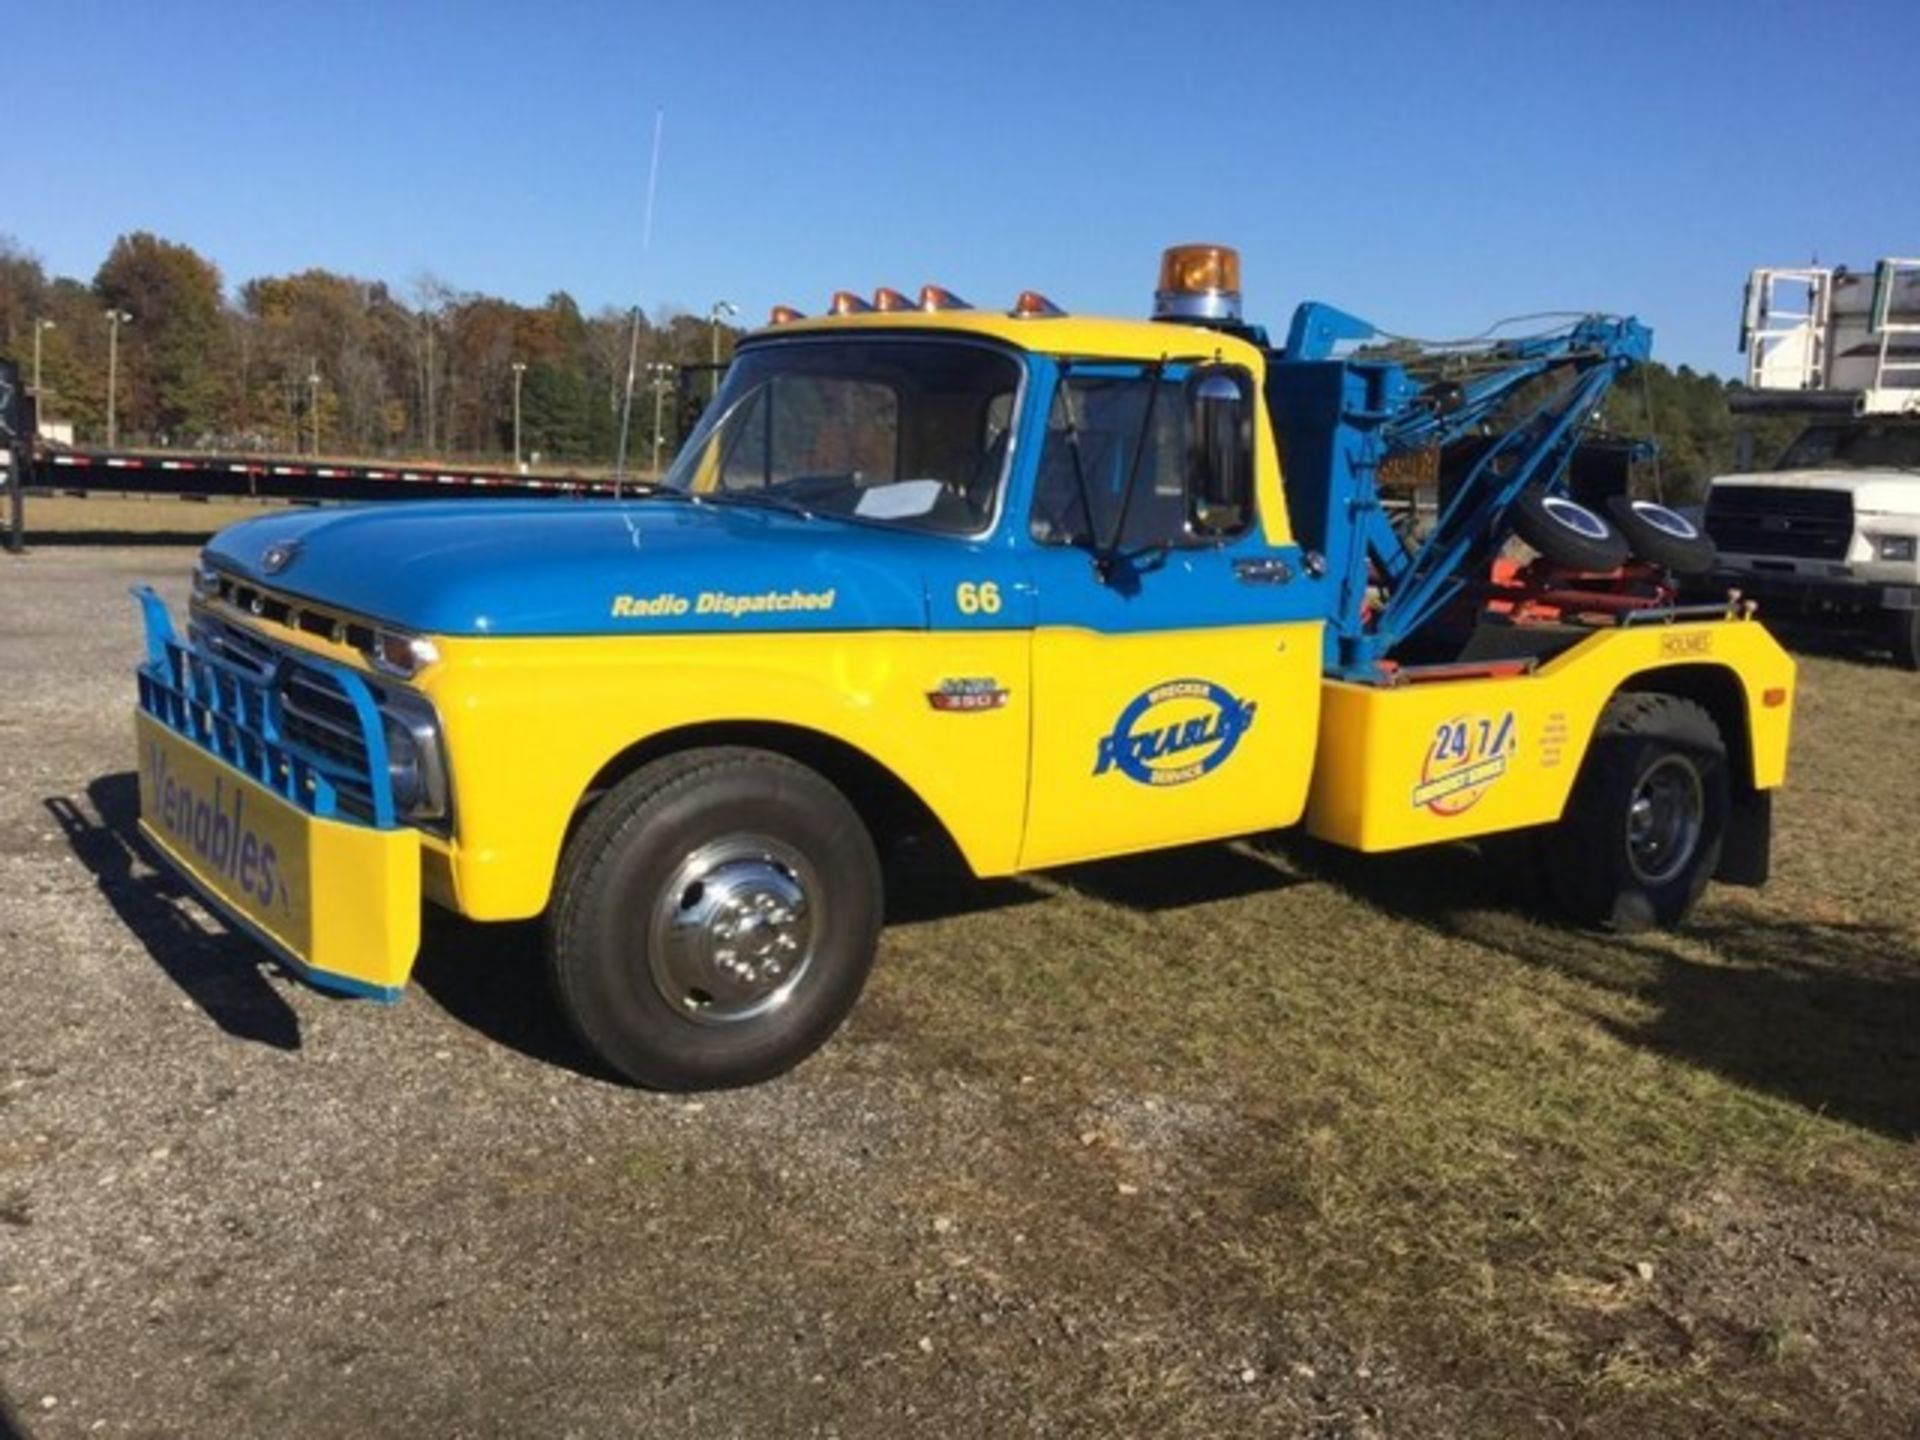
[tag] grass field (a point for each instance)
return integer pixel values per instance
(1251, 1139)
(1657, 1185)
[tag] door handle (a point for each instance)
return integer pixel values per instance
(1267, 571)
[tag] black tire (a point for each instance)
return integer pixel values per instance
(686, 848)
(1903, 635)
(1606, 865)
(1568, 533)
(1662, 537)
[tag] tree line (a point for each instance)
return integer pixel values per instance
(318, 361)
(290, 360)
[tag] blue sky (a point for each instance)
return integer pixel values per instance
(1431, 166)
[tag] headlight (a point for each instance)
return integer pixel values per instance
(416, 760)
(1895, 547)
(206, 581)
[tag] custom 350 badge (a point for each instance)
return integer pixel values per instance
(1466, 758)
(980, 692)
(1175, 732)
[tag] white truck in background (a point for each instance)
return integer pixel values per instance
(1831, 534)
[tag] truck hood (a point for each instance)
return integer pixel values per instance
(1875, 492)
(559, 567)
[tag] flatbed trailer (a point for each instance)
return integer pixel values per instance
(1039, 584)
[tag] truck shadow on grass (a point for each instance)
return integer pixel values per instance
(218, 970)
(1826, 1016)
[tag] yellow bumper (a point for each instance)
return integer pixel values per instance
(339, 903)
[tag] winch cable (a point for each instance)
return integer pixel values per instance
(1653, 436)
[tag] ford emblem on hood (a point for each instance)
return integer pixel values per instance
(276, 558)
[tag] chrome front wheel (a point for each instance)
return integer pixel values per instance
(733, 930)
(715, 918)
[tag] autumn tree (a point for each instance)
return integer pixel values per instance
(175, 376)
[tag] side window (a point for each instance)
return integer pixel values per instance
(1108, 412)
(800, 427)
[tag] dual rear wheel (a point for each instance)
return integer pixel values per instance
(1643, 830)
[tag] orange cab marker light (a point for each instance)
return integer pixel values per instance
(845, 302)
(1032, 305)
(784, 315)
(1773, 699)
(938, 297)
(888, 300)
(1198, 282)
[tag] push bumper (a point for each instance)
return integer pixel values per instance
(239, 809)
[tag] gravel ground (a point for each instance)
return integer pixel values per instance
(230, 1205)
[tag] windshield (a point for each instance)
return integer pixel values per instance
(899, 431)
(1886, 446)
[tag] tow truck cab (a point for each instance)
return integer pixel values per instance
(1027, 579)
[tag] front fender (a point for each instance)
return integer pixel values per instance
(530, 724)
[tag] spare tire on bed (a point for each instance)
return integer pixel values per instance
(1568, 533)
(1663, 537)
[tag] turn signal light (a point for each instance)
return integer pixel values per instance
(845, 302)
(784, 315)
(400, 654)
(935, 297)
(1198, 282)
(1032, 305)
(888, 300)
(1773, 699)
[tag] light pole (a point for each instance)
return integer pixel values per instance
(116, 317)
(626, 404)
(519, 370)
(313, 403)
(721, 309)
(662, 374)
(40, 327)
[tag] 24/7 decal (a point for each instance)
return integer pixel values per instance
(1175, 732)
(1469, 753)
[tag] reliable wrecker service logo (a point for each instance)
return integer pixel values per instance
(1175, 732)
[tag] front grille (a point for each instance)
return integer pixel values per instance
(1764, 520)
(290, 704)
(317, 716)
(293, 614)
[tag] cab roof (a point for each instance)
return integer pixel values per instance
(1077, 335)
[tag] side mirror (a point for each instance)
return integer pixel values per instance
(1219, 490)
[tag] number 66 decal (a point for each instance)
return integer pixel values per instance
(977, 599)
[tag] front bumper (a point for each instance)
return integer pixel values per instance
(250, 817)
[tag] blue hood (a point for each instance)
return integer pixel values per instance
(558, 567)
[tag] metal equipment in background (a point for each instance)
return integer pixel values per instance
(1830, 338)
(17, 424)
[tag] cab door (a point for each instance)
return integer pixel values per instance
(1176, 656)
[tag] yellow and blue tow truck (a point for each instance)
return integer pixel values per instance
(1051, 587)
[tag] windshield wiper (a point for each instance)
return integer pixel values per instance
(755, 500)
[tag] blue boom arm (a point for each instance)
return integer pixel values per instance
(1339, 419)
